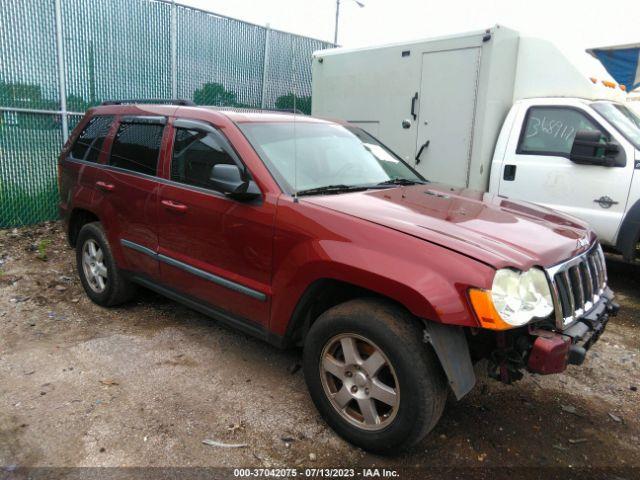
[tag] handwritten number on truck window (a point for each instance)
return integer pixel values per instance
(552, 129)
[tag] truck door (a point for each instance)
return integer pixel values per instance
(445, 119)
(537, 168)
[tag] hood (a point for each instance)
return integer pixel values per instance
(495, 230)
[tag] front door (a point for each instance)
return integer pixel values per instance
(445, 119)
(212, 248)
(537, 168)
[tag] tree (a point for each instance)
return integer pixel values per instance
(285, 102)
(75, 103)
(215, 94)
(21, 95)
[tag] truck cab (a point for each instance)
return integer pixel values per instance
(533, 161)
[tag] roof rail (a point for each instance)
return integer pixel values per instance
(162, 101)
(297, 111)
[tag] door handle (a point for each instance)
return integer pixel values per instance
(413, 106)
(605, 201)
(104, 186)
(424, 145)
(175, 206)
(509, 173)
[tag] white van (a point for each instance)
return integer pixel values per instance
(497, 112)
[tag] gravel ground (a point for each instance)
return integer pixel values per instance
(145, 384)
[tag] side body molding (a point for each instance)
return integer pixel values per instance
(195, 271)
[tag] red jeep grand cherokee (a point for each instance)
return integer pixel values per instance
(306, 232)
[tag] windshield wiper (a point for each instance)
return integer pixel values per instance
(401, 181)
(340, 188)
(332, 189)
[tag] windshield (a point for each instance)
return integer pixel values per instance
(308, 156)
(626, 121)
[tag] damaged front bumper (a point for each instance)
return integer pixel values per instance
(552, 351)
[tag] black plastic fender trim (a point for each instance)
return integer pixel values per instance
(452, 349)
(629, 233)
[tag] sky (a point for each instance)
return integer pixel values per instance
(572, 25)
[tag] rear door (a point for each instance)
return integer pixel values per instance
(129, 189)
(82, 169)
(537, 168)
(213, 248)
(447, 109)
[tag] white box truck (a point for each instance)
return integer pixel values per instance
(497, 112)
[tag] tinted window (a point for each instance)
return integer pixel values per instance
(552, 130)
(194, 155)
(136, 147)
(88, 145)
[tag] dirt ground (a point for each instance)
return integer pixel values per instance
(145, 384)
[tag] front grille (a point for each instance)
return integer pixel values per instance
(578, 284)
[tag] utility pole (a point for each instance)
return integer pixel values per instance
(335, 31)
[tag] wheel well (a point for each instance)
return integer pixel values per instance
(78, 219)
(319, 297)
(629, 233)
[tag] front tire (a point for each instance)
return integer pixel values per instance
(102, 280)
(371, 377)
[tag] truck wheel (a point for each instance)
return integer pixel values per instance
(371, 377)
(100, 277)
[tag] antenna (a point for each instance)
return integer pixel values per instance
(295, 135)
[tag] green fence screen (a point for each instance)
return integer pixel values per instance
(59, 57)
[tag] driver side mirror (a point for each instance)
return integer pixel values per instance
(590, 147)
(228, 180)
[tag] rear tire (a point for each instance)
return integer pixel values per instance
(103, 282)
(408, 392)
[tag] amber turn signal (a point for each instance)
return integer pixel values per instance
(486, 313)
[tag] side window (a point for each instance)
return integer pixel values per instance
(136, 147)
(194, 155)
(88, 145)
(552, 130)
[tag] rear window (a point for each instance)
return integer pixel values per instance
(89, 143)
(136, 147)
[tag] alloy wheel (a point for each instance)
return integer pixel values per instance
(95, 271)
(359, 381)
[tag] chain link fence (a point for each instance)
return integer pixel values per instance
(60, 57)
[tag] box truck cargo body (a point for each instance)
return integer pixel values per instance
(454, 90)
(495, 111)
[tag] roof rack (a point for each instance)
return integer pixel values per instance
(297, 111)
(162, 101)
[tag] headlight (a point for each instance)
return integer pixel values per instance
(518, 297)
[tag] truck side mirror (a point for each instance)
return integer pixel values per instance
(591, 147)
(229, 180)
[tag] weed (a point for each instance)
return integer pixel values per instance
(42, 249)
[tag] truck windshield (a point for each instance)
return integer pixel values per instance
(310, 156)
(625, 120)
